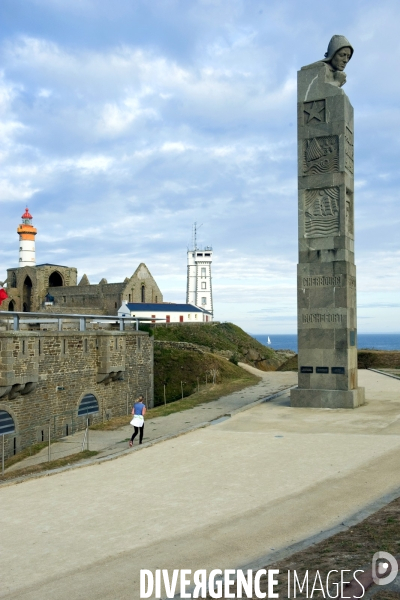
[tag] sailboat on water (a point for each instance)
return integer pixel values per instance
(269, 341)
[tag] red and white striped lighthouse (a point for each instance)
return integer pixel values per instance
(27, 232)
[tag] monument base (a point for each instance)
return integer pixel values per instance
(327, 398)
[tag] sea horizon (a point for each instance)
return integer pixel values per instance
(371, 341)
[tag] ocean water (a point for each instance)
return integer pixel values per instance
(378, 341)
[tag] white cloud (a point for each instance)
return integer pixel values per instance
(121, 139)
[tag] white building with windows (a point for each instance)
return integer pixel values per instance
(165, 312)
(199, 286)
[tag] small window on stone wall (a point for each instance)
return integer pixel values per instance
(88, 405)
(6, 423)
(86, 345)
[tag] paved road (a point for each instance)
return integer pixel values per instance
(219, 497)
(109, 443)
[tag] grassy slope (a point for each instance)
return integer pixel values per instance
(226, 338)
(375, 359)
(173, 365)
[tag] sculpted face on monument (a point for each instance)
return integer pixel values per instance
(337, 56)
(341, 58)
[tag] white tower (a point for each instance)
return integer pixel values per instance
(27, 232)
(199, 287)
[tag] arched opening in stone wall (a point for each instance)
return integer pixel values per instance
(11, 305)
(7, 424)
(143, 293)
(13, 280)
(88, 405)
(27, 294)
(55, 279)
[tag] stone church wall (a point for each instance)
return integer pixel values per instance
(102, 298)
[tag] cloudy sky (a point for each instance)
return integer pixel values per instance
(123, 122)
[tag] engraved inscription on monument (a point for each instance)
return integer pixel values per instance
(321, 212)
(322, 318)
(349, 212)
(314, 112)
(349, 150)
(321, 155)
(322, 281)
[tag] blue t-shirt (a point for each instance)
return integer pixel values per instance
(138, 408)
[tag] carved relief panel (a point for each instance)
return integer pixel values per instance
(321, 155)
(314, 112)
(349, 150)
(321, 212)
(349, 212)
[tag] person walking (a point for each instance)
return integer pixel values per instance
(138, 411)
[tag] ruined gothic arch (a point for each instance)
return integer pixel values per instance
(27, 294)
(56, 279)
(11, 305)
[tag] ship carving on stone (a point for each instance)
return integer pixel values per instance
(321, 155)
(322, 212)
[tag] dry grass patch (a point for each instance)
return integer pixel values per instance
(351, 549)
(47, 466)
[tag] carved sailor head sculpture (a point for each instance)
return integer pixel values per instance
(337, 56)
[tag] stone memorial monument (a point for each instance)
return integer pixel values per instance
(327, 320)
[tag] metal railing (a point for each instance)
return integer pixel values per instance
(31, 318)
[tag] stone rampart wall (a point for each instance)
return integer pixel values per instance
(44, 376)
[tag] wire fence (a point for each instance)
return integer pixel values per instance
(54, 438)
(169, 391)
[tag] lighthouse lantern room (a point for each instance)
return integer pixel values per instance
(27, 234)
